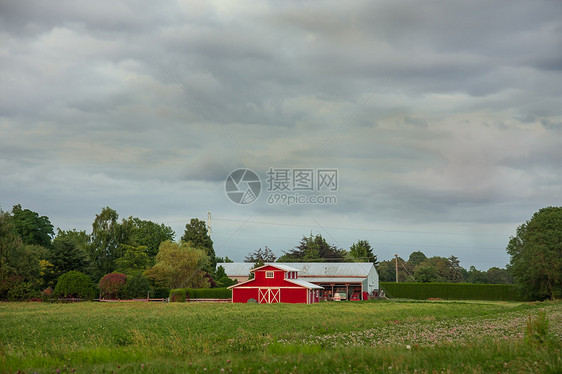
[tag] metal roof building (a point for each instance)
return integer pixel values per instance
(335, 277)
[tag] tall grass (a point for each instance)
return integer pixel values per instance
(326, 337)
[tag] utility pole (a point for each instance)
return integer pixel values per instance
(396, 260)
(209, 223)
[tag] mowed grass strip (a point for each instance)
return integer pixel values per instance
(326, 337)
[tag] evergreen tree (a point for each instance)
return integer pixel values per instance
(363, 252)
(261, 256)
(197, 235)
(314, 249)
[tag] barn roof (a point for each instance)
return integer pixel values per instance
(275, 265)
(240, 269)
(304, 283)
(306, 269)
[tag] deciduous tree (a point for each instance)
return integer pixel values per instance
(179, 266)
(536, 254)
(416, 258)
(32, 228)
(69, 252)
(107, 236)
(134, 259)
(9, 242)
(150, 235)
(386, 270)
(476, 276)
(426, 273)
(137, 286)
(20, 264)
(496, 275)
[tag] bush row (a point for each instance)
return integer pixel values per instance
(75, 284)
(181, 294)
(452, 291)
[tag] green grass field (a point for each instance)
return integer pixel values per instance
(385, 336)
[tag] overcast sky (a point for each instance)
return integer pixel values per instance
(443, 119)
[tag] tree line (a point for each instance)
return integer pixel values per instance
(422, 269)
(418, 267)
(535, 264)
(33, 258)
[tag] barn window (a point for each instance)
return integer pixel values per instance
(269, 274)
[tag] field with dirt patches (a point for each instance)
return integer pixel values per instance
(381, 336)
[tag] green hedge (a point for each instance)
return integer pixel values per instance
(181, 294)
(452, 291)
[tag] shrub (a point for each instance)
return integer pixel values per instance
(75, 284)
(47, 294)
(159, 292)
(178, 295)
(137, 286)
(112, 285)
(15, 288)
(226, 282)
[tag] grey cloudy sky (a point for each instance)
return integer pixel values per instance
(443, 119)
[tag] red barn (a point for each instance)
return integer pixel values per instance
(275, 284)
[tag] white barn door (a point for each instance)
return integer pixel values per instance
(269, 295)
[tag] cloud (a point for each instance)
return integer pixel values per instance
(434, 114)
(551, 125)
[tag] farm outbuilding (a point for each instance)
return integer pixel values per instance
(274, 283)
(347, 280)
